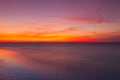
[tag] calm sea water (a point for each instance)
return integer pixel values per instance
(66, 61)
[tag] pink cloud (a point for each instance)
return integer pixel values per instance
(88, 20)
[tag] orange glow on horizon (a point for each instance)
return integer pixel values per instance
(27, 38)
(56, 37)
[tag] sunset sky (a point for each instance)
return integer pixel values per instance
(59, 20)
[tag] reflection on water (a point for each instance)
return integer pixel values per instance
(60, 62)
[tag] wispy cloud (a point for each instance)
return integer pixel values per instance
(88, 20)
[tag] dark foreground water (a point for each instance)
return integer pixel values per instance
(55, 61)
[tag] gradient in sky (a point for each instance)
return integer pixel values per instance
(60, 20)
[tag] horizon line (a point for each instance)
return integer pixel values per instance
(59, 42)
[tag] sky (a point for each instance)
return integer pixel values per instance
(59, 21)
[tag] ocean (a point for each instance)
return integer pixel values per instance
(59, 61)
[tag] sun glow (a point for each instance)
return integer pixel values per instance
(43, 38)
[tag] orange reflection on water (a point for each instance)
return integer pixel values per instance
(47, 63)
(10, 56)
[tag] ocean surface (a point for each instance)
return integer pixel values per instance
(59, 61)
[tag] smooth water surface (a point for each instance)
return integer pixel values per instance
(59, 61)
